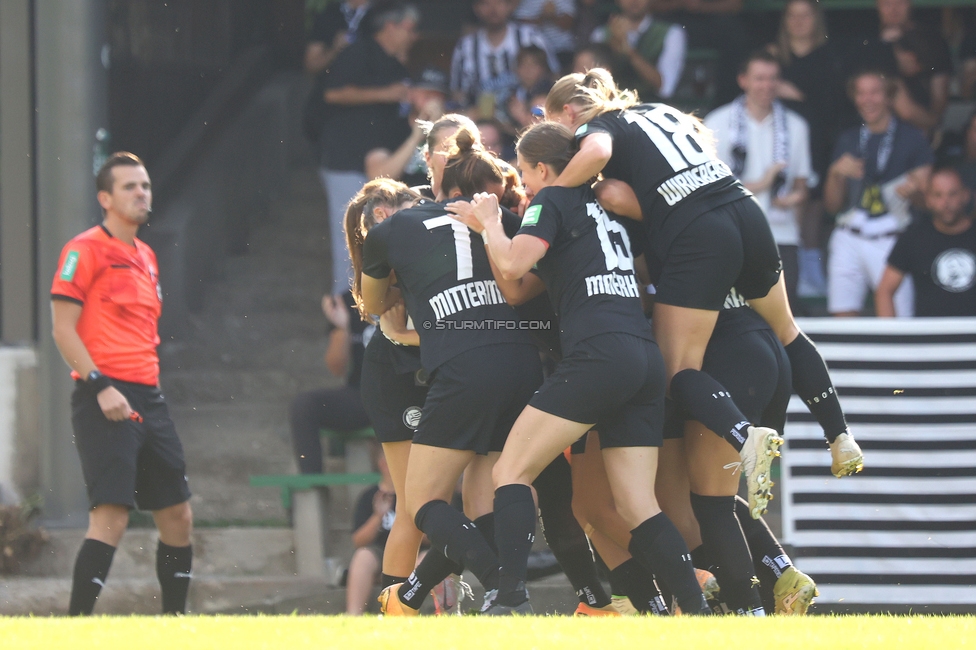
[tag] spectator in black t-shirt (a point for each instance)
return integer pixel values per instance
(812, 85)
(363, 90)
(372, 520)
(406, 163)
(939, 253)
(338, 409)
(878, 52)
(922, 94)
(332, 30)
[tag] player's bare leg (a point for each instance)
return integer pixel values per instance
(403, 544)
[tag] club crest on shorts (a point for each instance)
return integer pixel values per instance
(411, 417)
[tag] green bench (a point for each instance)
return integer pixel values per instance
(308, 497)
(289, 483)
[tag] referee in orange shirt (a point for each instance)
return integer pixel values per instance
(106, 302)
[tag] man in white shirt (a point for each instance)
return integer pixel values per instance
(483, 63)
(768, 148)
(649, 53)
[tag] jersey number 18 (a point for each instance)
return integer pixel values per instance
(674, 134)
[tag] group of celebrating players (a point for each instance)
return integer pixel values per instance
(662, 417)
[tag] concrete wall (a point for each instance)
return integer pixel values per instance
(19, 452)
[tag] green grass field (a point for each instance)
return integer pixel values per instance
(469, 633)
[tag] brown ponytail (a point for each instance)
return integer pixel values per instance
(595, 93)
(469, 167)
(360, 218)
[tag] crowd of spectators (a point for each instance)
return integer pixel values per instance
(840, 162)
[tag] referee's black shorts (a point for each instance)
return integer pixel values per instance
(475, 397)
(615, 381)
(129, 463)
(730, 245)
(394, 402)
(754, 368)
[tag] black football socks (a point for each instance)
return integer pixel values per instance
(811, 381)
(705, 400)
(564, 535)
(460, 539)
(173, 565)
(436, 567)
(515, 520)
(658, 545)
(768, 556)
(631, 579)
(722, 534)
(91, 569)
(431, 571)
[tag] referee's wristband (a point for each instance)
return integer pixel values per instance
(97, 382)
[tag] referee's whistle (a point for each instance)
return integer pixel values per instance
(135, 417)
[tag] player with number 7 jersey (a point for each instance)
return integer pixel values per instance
(483, 369)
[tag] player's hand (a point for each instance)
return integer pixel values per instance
(114, 405)
(486, 208)
(848, 166)
(394, 321)
(335, 310)
(464, 212)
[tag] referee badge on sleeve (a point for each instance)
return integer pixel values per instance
(531, 217)
(70, 266)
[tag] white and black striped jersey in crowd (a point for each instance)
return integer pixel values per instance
(900, 534)
(588, 267)
(660, 154)
(443, 271)
(478, 67)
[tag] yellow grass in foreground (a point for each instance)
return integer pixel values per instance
(473, 633)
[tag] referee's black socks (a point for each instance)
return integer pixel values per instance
(460, 539)
(812, 383)
(721, 533)
(704, 399)
(91, 570)
(658, 545)
(515, 519)
(173, 565)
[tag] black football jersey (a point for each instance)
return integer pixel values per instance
(588, 268)
(443, 271)
(658, 152)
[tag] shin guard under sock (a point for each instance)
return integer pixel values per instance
(631, 579)
(515, 521)
(812, 383)
(565, 537)
(173, 565)
(707, 401)
(486, 526)
(721, 533)
(91, 570)
(389, 581)
(658, 545)
(460, 540)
